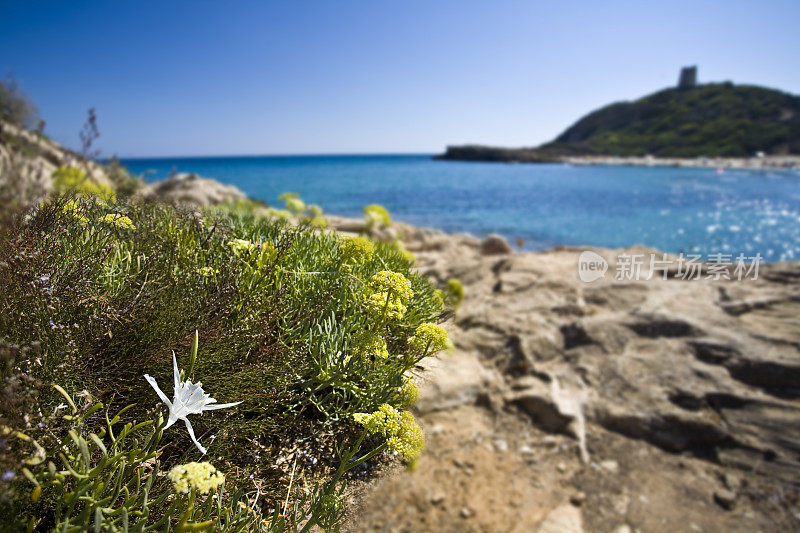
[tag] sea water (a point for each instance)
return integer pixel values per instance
(690, 210)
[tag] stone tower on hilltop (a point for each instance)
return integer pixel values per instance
(688, 77)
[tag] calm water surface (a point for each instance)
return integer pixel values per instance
(672, 209)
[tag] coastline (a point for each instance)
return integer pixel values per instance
(769, 162)
(491, 154)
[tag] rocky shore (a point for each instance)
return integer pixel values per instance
(665, 405)
(491, 154)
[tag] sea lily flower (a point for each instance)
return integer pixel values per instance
(189, 399)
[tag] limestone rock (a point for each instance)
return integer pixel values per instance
(685, 365)
(191, 190)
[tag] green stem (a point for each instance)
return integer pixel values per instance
(183, 523)
(343, 467)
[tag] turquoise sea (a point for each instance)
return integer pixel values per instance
(672, 209)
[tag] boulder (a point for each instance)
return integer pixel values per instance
(495, 244)
(191, 190)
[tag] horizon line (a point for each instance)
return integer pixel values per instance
(290, 154)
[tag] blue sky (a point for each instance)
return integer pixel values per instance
(268, 77)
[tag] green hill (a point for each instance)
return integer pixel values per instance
(716, 119)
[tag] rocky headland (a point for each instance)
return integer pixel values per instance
(712, 124)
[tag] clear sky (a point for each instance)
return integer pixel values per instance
(270, 77)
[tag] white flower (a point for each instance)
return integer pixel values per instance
(190, 399)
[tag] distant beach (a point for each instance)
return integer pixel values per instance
(770, 162)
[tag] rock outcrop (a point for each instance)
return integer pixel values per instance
(635, 403)
(708, 367)
(31, 159)
(192, 190)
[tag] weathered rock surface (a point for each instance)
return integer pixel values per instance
(711, 367)
(32, 158)
(673, 405)
(192, 190)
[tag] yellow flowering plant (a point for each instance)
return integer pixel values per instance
(401, 431)
(356, 250)
(408, 392)
(291, 330)
(430, 338)
(388, 292)
(117, 220)
(377, 216)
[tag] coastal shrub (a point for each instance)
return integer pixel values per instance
(455, 292)
(303, 327)
(67, 179)
(377, 216)
(109, 479)
(311, 215)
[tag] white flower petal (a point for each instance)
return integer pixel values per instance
(219, 406)
(176, 373)
(191, 434)
(172, 419)
(188, 399)
(152, 381)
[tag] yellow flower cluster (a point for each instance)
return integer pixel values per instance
(391, 292)
(430, 337)
(240, 246)
(386, 280)
(73, 209)
(370, 346)
(402, 432)
(383, 304)
(202, 477)
(267, 253)
(280, 214)
(438, 296)
(115, 219)
(409, 392)
(456, 291)
(293, 202)
(376, 216)
(356, 249)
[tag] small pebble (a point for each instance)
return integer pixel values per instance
(437, 499)
(500, 445)
(466, 512)
(561, 467)
(578, 498)
(610, 466)
(732, 482)
(725, 498)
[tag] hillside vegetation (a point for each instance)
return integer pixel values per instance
(716, 119)
(221, 368)
(712, 120)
